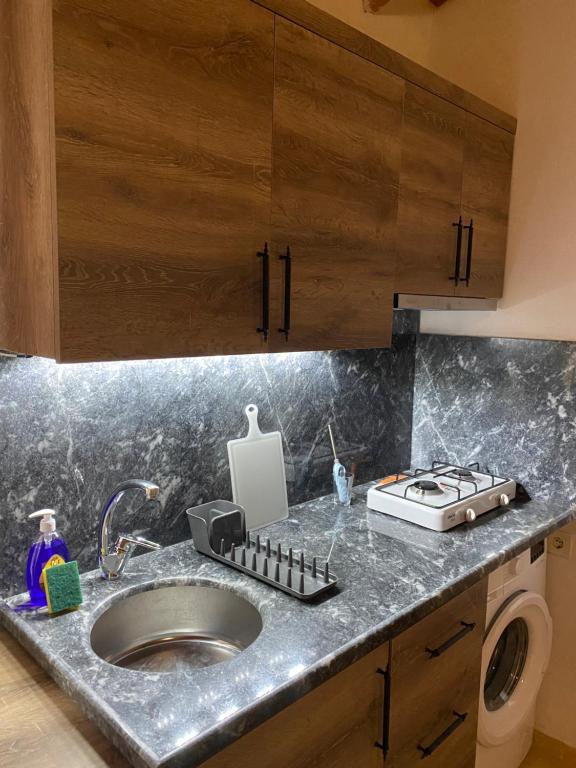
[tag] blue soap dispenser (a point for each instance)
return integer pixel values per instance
(49, 549)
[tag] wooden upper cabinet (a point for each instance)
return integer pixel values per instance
(455, 167)
(149, 151)
(336, 149)
(136, 147)
(163, 118)
(430, 191)
(26, 177)
(486, 176)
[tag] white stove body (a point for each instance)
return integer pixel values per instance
(456, 501)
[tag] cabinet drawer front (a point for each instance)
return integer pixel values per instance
(451, 744)
(435, 684)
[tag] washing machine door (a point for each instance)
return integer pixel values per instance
(515, 655)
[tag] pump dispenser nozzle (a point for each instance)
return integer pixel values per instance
(47, 524)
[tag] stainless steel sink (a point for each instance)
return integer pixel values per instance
(174, 628)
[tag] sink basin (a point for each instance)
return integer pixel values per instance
(175, 628)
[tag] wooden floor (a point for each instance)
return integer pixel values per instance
(549, 753)
(40, 726)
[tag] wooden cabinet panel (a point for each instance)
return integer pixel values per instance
(163, 117)
(430, 185)
(429, 692)
(486, 181)
(453, 164)
(26, 179)
(334, 726)
(337, 122)
(181, 136)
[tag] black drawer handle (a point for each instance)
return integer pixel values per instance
(456, 275)
(427, 751)
(265, 327)
(287, 259)
(466, 629)
(384, 745)
(470, 228)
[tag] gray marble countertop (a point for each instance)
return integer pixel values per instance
(391, 574)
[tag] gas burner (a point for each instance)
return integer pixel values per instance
(463, 473)
(425, 487)
(441, 497)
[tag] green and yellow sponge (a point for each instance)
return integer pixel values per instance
(62, 584)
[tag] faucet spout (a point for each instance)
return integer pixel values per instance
(113, 559)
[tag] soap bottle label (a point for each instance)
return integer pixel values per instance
(54, 560)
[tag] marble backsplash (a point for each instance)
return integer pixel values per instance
(509, 404)
(69, 433)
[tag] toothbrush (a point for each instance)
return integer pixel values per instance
(338, 472)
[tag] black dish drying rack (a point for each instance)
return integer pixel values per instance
(219, 531)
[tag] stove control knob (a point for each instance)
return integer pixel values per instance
(504, 500)
(470, 515)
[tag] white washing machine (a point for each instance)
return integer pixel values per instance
(515, 655)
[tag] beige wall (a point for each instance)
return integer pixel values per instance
(521, 56)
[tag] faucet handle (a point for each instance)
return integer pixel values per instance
(126, 543)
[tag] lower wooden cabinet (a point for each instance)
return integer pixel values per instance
(411, 699)
(435, 680)
(335, 726)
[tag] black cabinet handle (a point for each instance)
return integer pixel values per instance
(427, 751)
(265, 327)
(287, 259)
(456, 275)
(466, 629)
(470, 228)
(384, 745)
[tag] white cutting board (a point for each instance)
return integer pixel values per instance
(258, 475)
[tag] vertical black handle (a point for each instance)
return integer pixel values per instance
(456, 275)
(287, 259)
(384, 745)
(265, 327)
(470, 228)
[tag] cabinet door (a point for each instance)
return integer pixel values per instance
(486, 180)
(430, 184)
(163, 148)
(435, 672)
(336, 160)
(26, 179)
(337, 725)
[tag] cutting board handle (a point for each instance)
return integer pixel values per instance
(251, 412)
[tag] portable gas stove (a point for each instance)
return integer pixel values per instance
(441, 497)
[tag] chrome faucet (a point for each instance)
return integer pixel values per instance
(114, 560)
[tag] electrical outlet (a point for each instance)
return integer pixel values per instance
(560, 544)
